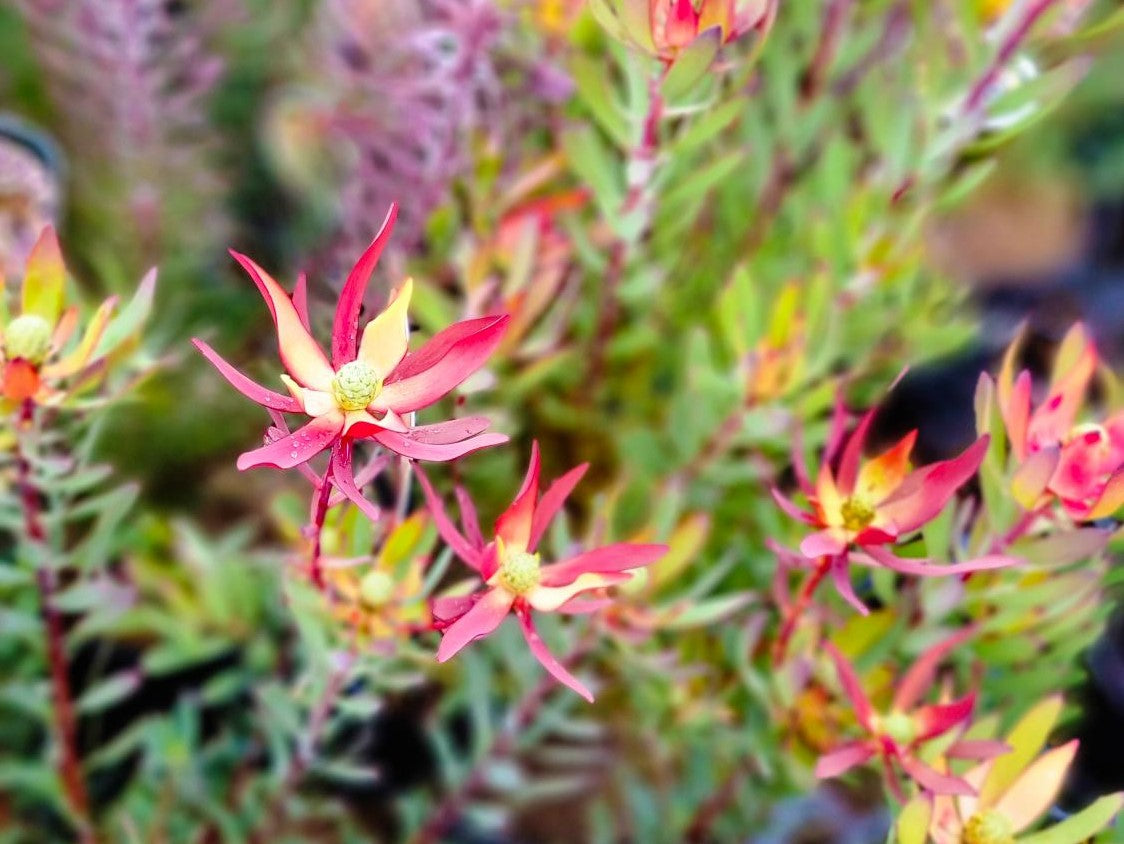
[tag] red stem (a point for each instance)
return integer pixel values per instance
(1011, 43)
(66, 725)
(322, 494)
(642, 163)
(797, 608)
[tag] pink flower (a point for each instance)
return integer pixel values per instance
(867, 505)
(372, 385)
(514, 577)
(666, 28)
(1079, 465)
(897, 737)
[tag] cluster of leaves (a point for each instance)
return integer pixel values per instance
(679, 271)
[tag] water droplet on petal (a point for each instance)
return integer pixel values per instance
(294, 454)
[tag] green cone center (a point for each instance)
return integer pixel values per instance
(28, 337)
(857, 513)
(988, 827)
(899, 727)
(355, 385)
(519, 571)
(376, 588)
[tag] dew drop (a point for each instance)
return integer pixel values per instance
(294, 454)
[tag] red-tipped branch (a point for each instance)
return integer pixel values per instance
(798, 607)
(66, 726)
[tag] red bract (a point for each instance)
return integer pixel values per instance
(865, 506)
(516, 580)
(897, 737)
(1079, 465)
(372, 384)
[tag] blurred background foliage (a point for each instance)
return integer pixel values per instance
(696, 261)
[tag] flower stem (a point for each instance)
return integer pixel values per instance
(978, 95)
(797, 608)
(640, 168)
(65, 723)
(445, 814)
(322, 495)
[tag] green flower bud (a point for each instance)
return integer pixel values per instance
(355, 385)
(28, 337)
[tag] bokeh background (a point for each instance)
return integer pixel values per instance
(816, 205)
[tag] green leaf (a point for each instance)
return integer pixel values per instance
(108, 692)
(692, 64)
(595, 165)
(1026, 739)
(913, 823)
(129, 321)
(707, 612)
(596, 91)
(45, 279)
(1080, 827)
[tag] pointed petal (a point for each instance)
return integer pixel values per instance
(514, 524)
(44, 278)
(848, 472)
(550, 598)
(1016, 415)
(851, 686)
(468, 517)
(299, 352)
(938, 718)
(934, 782)
(551, 501)
(1111, 498)
(1034, 792)
(924, 492)
(68, 322)
(345, 327)
(250, 389)
(1052, 421)
(546, 658)
(484, 617)
(916, 681)
(245, 385)
(828, 501)
(841, 577)
(789, 507)
(300, 300)
(583, 606)
(1033, 476)
(448, 608)
(977, 749)
(875, 556)
(441, 364)
(881, 476)
(464, 549)
(825, 543)
(621, 556)
(842, 759)
(81, 354)
(344, 480)
(452, 431)
(299, 447)
(387, 336)
(415, 449)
